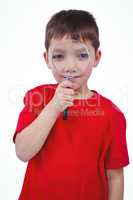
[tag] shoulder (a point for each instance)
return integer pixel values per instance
(113, 111)
(39, 96)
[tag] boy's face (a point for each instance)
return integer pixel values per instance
(67, 57)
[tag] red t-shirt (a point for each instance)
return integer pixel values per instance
(73, 161)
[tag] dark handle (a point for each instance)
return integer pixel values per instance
(65, 114)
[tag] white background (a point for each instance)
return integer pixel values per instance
(22, 67)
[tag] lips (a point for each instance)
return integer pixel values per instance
(71, 77)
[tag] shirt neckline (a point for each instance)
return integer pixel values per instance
(94, 95)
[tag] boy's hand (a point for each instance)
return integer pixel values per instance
(63, 96)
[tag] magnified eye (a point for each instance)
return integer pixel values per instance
(58, 57)
(83, 56)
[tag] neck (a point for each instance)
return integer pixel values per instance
(83, 93)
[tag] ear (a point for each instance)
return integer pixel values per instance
(45, 55)
(98, 55)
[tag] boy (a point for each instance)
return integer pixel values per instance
(81, 158)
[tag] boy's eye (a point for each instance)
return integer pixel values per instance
(83, 56)
(58, 57)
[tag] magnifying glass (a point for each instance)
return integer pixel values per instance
(68, 57)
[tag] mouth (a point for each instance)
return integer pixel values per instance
(71, 77)
(77, 76)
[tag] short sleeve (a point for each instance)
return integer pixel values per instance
(34, 101)
(26, 116)
(117, 154)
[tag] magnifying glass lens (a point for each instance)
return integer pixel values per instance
(68, 57)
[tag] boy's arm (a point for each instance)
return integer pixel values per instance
(115, 184)
(30, 140)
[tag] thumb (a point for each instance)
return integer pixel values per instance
(67, 84)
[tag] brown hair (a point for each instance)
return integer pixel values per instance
(78, 24)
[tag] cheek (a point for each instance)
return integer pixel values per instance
(87, 70)
(56, 69)
(56, 74)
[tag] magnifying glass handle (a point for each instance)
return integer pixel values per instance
(65, 113)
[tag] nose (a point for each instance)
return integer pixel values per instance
(70, 67)
(71, 71)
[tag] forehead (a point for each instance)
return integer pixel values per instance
(67, 43)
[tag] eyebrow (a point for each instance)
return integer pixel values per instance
(78, 50)
(59, 50)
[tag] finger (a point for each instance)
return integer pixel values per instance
(68, 97)
(69, 104)
(66, 91)
(66, 83)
